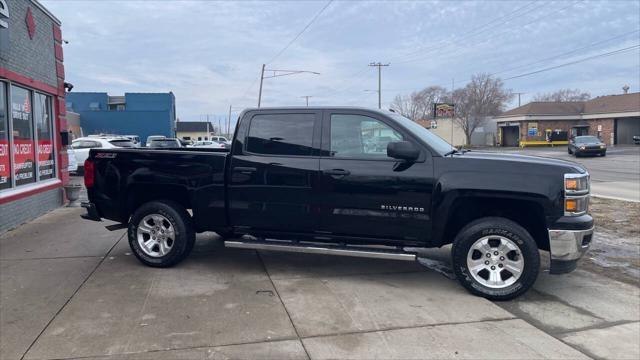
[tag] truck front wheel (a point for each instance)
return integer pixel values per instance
(495, 258)
(161, 233)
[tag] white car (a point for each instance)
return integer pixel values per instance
(208, 144)
(73, 164)
(81, 146)
(153, 137)
(220, 139)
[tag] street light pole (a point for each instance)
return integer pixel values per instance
(278, 73)
(379, 65)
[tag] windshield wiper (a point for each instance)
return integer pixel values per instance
(453, 151)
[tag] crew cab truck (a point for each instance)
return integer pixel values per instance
(308, 180)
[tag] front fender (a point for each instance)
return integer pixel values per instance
(452, 188)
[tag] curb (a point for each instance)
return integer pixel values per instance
(614, 198)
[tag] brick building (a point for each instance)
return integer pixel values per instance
(32, 113)
(613, 118)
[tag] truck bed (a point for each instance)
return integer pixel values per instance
(126, 178)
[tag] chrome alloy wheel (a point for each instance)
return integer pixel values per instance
(495, 261)
(155, 235)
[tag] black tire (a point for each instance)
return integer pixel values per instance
(182, 224)
(603, 154)
(505, 228)
(569, 151)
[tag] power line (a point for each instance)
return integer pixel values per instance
(568, 52)
(610, 53)
(436, 45)
(301, 32)
(476, 31)
(419, 54)
(551, 58)
(459, 41)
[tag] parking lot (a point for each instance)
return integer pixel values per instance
(616, 175)
(71, 289)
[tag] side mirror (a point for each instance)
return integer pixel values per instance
(403, 150)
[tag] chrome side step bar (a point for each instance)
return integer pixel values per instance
(354, 251)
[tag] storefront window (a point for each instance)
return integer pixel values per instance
(27, 151)
(5, 160)
(44, 135)
(23, 145)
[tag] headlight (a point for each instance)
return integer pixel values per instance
(576, 183)
(582, 147)
(603, 146)
(576, 191)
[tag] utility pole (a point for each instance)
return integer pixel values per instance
(453, 116)
(519, 93)
(379, 65)
(229, 121)
(306, 97)
(278, 73)
(261, 80)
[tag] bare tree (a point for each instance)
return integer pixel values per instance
(484, 96)
(563, 95)
(407, 106)
(419, 105)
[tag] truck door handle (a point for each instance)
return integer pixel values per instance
(337, 172)
(244, 170)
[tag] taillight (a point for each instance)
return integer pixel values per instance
(89, 175)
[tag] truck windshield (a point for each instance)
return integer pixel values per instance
(436, 142)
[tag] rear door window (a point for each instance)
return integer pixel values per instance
(281, 134)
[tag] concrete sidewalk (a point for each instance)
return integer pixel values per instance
(69, 288)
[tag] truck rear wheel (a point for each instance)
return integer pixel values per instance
(495, 258)
(161, 233)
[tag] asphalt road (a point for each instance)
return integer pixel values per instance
(616, 175)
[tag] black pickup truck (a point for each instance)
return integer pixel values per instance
(319, 180)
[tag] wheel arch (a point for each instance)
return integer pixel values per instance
(139, 194)
(528, 213)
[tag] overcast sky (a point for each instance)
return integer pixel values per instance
(210, 53)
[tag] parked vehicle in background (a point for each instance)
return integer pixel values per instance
(82, 146)
(636, 139)
(221, 139)
(153, 137)
(208, 144)
(135, 139)
(165, 143)
(303, 176)
(586, 145)
(72, 168)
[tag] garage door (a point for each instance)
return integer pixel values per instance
(510, 135)
(626, 128)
